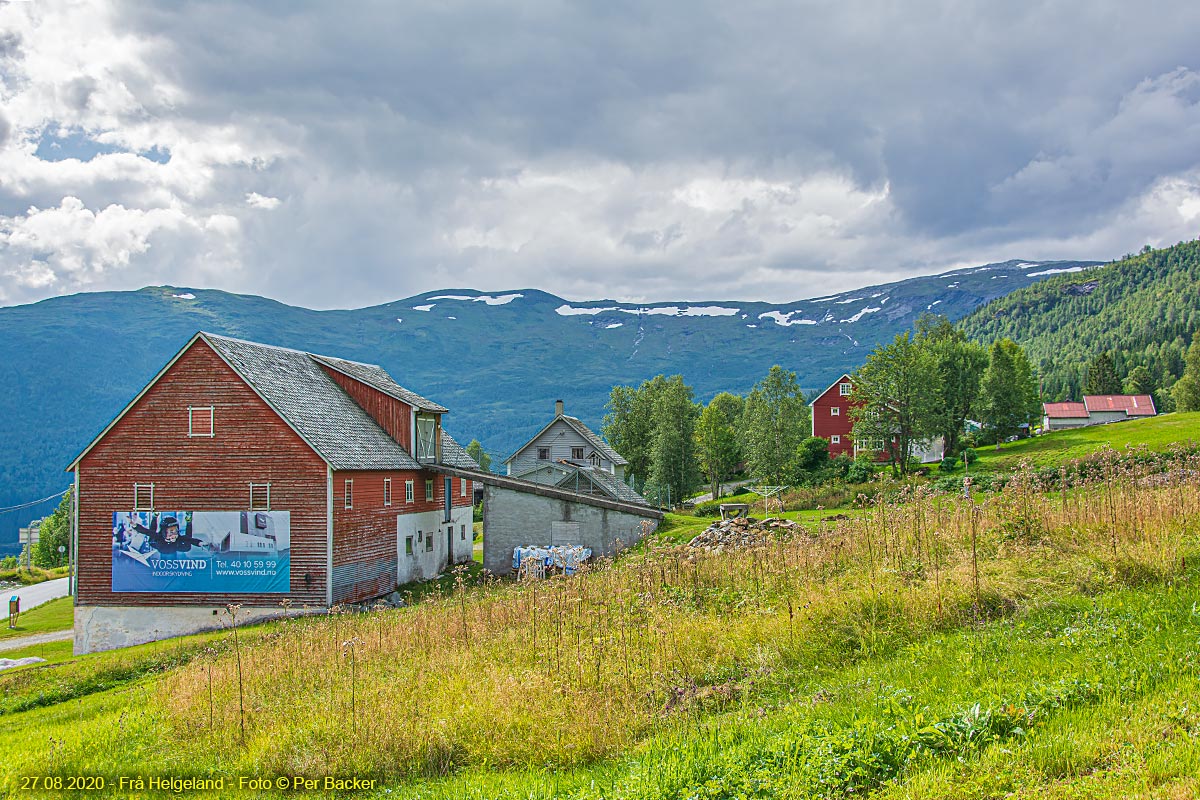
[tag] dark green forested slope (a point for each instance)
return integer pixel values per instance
(1142, 309)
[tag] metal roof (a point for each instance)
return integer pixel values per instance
(321, 412)
(374, 375)
(1134, 405)
(1065, 410)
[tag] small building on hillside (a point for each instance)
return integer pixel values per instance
(565, 486)
(1097, 409)
(565, 439)
(261, 476)
(831, 421)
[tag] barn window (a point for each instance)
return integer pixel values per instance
(844, 388)
(429, 489)
(408, 545)
(260, 497)
(200, 421)
(543, 453)
(349, 494)
(143, 497)
(462, 487)
(577, 453)
(428, 544)
(387, 491)
(835, 439)
(835, 412)
(462, 532)
(408, 491)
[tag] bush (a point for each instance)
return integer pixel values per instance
(969, 456)
(8, 562)
(858, 472)
(949, 464)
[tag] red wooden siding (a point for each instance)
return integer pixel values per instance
(826, 425)
(364, 536)
(393, 416)
(150, 444)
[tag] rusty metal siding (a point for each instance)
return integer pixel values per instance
(393, 416)
(150, 444)
(364, 537)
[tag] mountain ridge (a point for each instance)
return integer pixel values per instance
(498, 360)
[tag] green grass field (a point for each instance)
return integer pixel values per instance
(1028, 646)
(1051, 449)
(56, 615)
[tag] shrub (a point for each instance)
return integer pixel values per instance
(969, 456)
(858, 472)
(949, 464)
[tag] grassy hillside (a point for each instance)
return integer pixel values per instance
(1029, 646)
(1143, 309)
(1051, 449)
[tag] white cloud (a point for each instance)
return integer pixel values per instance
(256, 200)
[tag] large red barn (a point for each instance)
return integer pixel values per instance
(262, 476)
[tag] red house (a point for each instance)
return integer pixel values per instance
(831, 416)
(266, 477)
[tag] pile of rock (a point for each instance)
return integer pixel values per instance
(743, 532)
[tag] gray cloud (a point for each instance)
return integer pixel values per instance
(642, 151)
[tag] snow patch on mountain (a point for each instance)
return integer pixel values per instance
(427, 307)
(185, 296)
(863, 312)
(567, 310)
(491, 300)
(785, 318)
(1053, 271)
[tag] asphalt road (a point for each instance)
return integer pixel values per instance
(33, 596)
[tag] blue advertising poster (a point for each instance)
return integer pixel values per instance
(201, 551)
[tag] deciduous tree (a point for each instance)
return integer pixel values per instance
(1010, 394)
(718, 450)
(1187, 389)
(896, 399)
(774, 422)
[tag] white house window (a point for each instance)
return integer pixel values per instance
(349, 494)
(595, 459)
(260, 497)
(835, 439)
(200, 421)
(429, 489)
(835, 412)
(408, 491)
(387, 491)
(844, 388)
(577, 453)
(143, 497)
(462, 487)
(543, 453)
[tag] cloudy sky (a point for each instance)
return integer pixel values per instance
(341, 155)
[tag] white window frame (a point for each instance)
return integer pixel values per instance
(348, 494)
(462, 487)
(408, 492)
(541, 457)
(212, 422)
(259, 488)
(429, 490)
(428, 544)
(462, 533)
(844, 389)
(835, 439)
(410, 547)
(575, 450)
(138, 488)
(387, 491)
(835, 411)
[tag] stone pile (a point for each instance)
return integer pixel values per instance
(743, 532)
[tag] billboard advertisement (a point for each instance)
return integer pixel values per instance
(201, 551)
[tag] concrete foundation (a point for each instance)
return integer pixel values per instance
(513, 518)
(100, 628)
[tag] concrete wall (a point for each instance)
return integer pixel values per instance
(512, 518)
(108, 627)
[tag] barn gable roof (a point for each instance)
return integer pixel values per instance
(1067, 410)
(375, 376)
(304, 396)
(321, 412)
(1134, 405)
